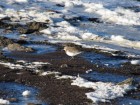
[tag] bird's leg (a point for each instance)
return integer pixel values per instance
(71, 58)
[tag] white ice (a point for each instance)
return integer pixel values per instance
(26, 93)
(4, 102)
(103, 91)
(119, 30)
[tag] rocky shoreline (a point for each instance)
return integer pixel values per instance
(54, 91)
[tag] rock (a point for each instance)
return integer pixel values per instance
(60, 5)
(22, 42)
(4, 58)
(36, 25)
(5, 41)
(32, 27)
(94, 20)
(12, 99)
(18, 47)
(5, 19)
(129, 81)
(6, 25)
(64, 66)
(33, 104)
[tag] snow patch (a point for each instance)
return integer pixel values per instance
(23, 1)
(4, 102)
(29, 65)
(103, 91)
(49, 73)
(12, 66)
(65, 77)
(135, 62)
(26, 93)
(117, 38)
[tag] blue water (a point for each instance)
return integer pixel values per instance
(101, 59)
(15, 91)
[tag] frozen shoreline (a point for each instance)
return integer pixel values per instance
(118, 31)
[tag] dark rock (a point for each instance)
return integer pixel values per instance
(5, 19)
(1, 55)
(22, 42)
(64, 66)
(25, 30)
(129, 81)
(7, 31)
(12, 99)
(33, 104)
(5, 41)
(60, 5)
(6, 25)
(94, 20)
(18, 47)
(32, 27)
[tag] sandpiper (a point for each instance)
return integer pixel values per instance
(71, 51)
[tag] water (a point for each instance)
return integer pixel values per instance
(105, 77)
(39, 49)
(129, 101)
(116, 20)
(15, 91)
(30, 37)
(101, 59)
(42, 48)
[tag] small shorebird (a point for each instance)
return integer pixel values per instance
(71, 51)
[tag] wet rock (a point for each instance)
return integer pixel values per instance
(5, 41)
(33, 104)
(119, 54)
(129, 81)
(7, 25)
(22, 42)
(64, 66)
(18, 47)
(13, 99)
(1, 56)
(73, 20)
(60, 5)
(7, 31)
(24, 37)
(5, 19)
(94, 20)
(136, 95)
(32, 27)
(4, 58)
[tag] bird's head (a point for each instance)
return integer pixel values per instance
(65, 48)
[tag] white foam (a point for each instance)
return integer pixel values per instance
(26, 93)
(12, 66)
(29, 65)
(88, 71)
(117, 38)
(23, 1)
(40, 63)
(65, 77)
(90, 36)
(103, 91)
(4, 102)
(49, 73)
(118, 15)
(135, 62)
(114, 12)
(69, 4)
